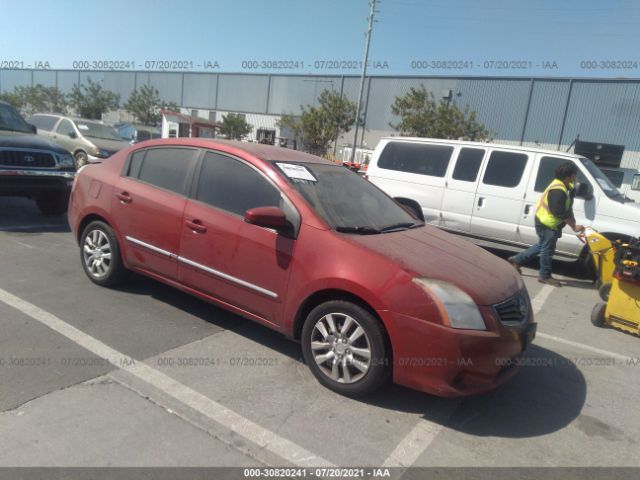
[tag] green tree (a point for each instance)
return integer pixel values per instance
(234, 126)
(421, 116)
(38, 98)
(12, 98)
(91, 100)
(145, 105)
(41, 99)
(319, 127)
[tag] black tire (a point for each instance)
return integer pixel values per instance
(597, 315)
(81, 159)
(53, 203)
(604, 290)
(379, 368)
(114, 273)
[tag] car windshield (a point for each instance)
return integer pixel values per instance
(11, 120)
(346, 201)
(609, 188)
(97, 130)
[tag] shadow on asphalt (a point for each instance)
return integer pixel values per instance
(542, 398)
(21, 215)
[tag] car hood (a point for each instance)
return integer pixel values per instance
(628, 211)
(28, 140)
(112, 146)
(431, 253)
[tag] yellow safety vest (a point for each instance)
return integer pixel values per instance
(543, 213)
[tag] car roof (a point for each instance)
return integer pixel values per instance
(259, 150)
(481, 144)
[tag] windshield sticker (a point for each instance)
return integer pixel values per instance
(83, 127)
(296, 172)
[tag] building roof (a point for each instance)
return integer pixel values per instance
(190, 118)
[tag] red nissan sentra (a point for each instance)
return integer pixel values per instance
(310, 249)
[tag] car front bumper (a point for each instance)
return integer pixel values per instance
(29, 182)
(451, 362)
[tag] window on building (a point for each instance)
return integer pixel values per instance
(546, 172)
(468, 164)
(505, 169)
(234, 186)
(420, 158)
(165, 168)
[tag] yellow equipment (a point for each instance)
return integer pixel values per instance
(603, 253)
(622, 310)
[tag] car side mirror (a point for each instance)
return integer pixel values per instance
(584, 190)
(73, 135)
(268, 217)
(34, 129)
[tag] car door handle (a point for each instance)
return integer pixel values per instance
(124, 197)
(527, 209)
(196, 225)
(481, 202)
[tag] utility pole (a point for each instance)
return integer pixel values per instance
(364, 73)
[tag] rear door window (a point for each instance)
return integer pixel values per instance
(505, 169)
(166, 168)
(233, 186)
(468, 164)
(420, 158)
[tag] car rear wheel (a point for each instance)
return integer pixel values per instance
(345, 347)
(100, 255)
(81, 159)
(53, 203)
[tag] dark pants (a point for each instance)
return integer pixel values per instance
(545, 247)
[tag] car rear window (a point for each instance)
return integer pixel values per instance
(420, 158)
(165, 168)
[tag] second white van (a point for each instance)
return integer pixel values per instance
(488, 192)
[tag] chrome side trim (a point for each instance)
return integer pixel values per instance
(229, 277)
(151, 247)
(11, 171)
(204, 268)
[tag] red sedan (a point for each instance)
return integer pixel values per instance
(310, 249)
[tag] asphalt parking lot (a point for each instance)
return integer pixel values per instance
(144, 375)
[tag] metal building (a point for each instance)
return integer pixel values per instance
(532, 111)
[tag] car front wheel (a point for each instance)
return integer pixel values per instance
(100, 255)
(345, 346)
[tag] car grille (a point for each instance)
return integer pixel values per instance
(25, 158)
(514, 310)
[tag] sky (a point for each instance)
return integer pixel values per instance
(506, 38)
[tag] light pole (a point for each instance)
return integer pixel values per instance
(362, 76)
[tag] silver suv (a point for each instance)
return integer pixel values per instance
(89, 141)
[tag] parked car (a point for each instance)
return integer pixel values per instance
(133, 133)
(488, 192)
(312, 250)
(31, 166)
(89, 141)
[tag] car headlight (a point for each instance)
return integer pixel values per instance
(460, 309)
(65, 161)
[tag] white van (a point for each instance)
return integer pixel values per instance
(488, 192)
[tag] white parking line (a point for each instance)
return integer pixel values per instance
(539, 301)
(253, 432)
(421, 436)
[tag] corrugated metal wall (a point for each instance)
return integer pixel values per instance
(546, 112)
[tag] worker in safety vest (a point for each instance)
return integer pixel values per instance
(553, 211)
